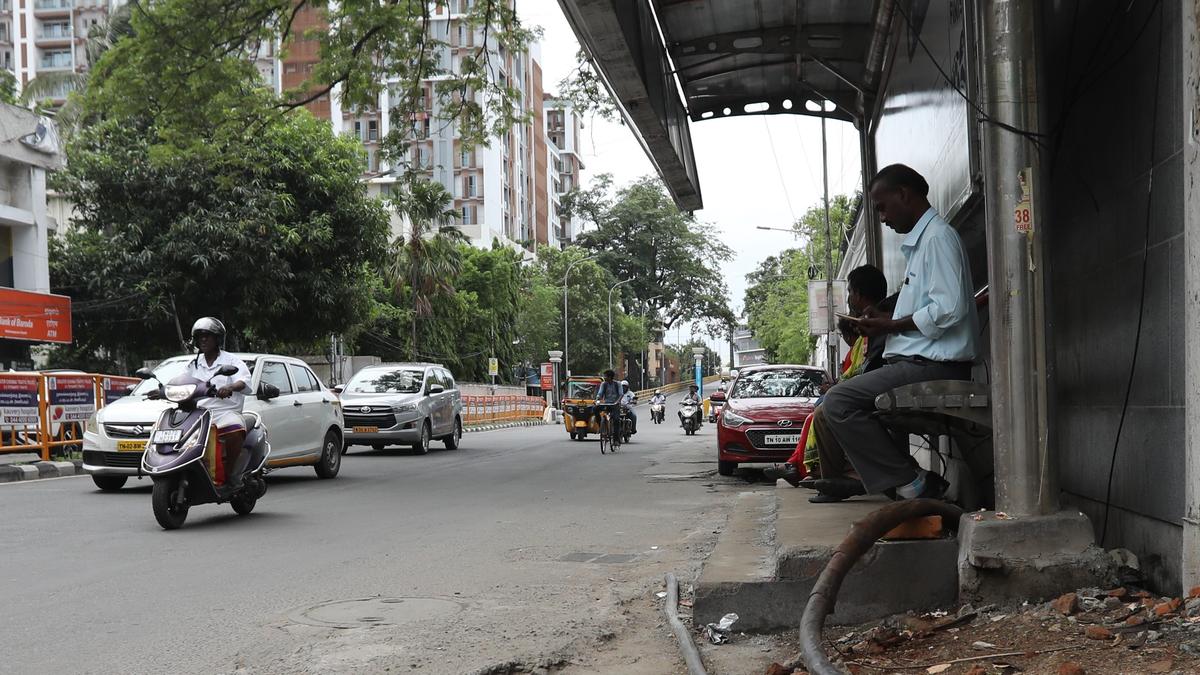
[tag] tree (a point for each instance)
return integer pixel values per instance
(776, 299)
(276, 236)
(674, 260)
(190, 65)
(425, 262)
(541, 318)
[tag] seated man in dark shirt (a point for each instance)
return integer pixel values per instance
(866, 288)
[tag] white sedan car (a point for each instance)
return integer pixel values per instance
(303, 420)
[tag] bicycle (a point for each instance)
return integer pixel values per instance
(609, 441)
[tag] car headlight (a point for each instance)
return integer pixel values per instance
(92, 426)
(406, 408)
(732, 419)
(179, 392)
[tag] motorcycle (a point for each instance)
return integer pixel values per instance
(689, 413)
(716, 404)
(657, 412)
(183, 455)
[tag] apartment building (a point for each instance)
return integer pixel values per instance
(507, 191)
(562, 133)
(48, 36)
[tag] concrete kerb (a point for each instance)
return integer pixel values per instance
(504, 425)
(11, 473)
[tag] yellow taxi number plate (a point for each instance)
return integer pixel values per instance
(131, 446)
(365, 430)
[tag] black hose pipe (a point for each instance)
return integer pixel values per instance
(862, 537)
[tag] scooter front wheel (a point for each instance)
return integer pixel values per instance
(169, 514)
(243, 504)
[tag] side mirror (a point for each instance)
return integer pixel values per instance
(227, 370)
(267, 391)
(718, 396)
(339, 389)
(436, 389)
(144, 373)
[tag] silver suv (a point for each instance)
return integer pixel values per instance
(402, 403)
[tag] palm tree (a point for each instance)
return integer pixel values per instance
(425, 259)
(46, 86)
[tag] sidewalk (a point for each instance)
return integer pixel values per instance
(776, 544)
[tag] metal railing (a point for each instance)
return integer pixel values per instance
(44, 412)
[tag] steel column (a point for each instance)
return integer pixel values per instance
(1009, 49)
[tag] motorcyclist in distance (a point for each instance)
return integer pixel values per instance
(693, 397)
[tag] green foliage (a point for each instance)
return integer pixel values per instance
(276, 236)
(776, 300)
(711, 363)
(8, 87)
(585, 90)
(189, 65)
(674, 260)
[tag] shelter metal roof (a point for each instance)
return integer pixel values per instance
(704, 59)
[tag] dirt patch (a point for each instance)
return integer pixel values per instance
(1096, 631)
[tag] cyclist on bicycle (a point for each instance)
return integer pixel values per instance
(627, 400)
(609, 393)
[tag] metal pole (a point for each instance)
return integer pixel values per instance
(610, 292)
(831, 347)
(1009, 43)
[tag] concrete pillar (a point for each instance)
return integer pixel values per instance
(1009, 49)
(1190, 34)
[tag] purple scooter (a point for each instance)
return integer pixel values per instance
(180, 443)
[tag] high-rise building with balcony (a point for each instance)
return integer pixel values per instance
(562, 131)
(508, 190)
(48, 36)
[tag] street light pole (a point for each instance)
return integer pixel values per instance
(566, 343)
(831, 346)
(610, 292)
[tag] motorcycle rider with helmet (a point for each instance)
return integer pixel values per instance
(627, 400)
(208, 336)
(693, 397)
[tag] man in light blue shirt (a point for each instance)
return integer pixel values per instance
(930, 336)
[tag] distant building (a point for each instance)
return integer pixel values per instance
(509, 191)
(48, 36)
(746, 350)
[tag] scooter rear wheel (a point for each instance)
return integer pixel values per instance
(168, 514)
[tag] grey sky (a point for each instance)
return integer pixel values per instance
(743, 183)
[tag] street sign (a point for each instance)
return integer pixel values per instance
(819, 304)
(547, 376)
(493, 367)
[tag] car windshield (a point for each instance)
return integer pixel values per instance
(387, 381)
(778, 384)
(164, 373)
(582, 390)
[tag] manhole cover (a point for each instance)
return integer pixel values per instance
(362, 612)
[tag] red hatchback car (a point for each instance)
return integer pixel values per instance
(765, 413)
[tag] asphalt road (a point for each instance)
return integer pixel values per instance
(490, 555)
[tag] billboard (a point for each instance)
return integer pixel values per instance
(36, 317)
(72, 399)
(547, 376)
(18, 400)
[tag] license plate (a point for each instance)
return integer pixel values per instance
(365, 430)
(131, 446)
(781, 439)
(168, 436)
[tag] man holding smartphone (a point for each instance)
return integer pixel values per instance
(930, 336)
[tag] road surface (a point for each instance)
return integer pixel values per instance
(520, 549)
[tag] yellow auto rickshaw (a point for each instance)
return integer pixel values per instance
(579, 407)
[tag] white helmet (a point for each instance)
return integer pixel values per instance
(657, 391)
(624, 383)
(212, 325)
